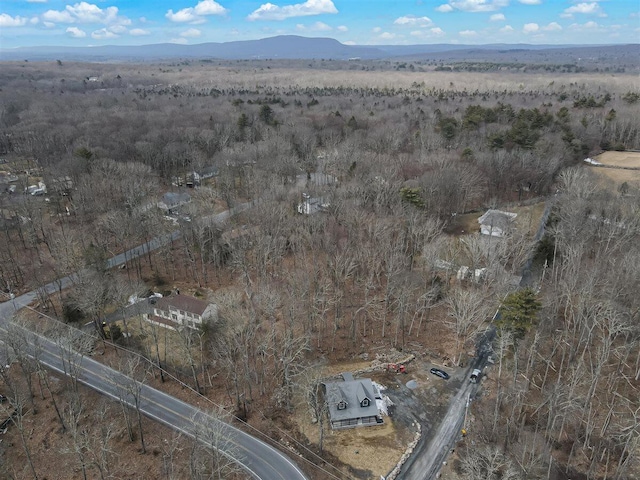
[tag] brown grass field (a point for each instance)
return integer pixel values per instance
(201, 75)
(614, 177)
(620, 159)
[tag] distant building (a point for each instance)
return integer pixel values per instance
(352, 402)
(171, 201)
(313, 205)
(182, 310)
(195, 178)
(496, 223)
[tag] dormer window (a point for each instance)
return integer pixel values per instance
(342, 405)
(365, 402)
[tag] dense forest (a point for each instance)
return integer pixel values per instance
(393, 160)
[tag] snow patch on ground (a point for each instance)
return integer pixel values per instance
(591, 161)
(382, 401)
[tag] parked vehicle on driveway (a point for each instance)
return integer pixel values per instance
(440, 373)
(475, 375)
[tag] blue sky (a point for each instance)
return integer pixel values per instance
(361, 22)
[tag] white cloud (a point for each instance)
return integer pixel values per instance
(186, 15)
(432, 32)
(139, 32)
(413, 21)
(531, 2)
(269, 11)
(497, 17)
(84, 12)
(387, 36)
(376, 30)
(507, 29)
(530, 28)
(342, 28)
(75, 32)
(49, 24)
(56, 16)
(349, 42)
(478, 5)
(117, 29)
(209, 7)
(196, 14)
(181, 41)
(468, 33)
(590, 8)
(316, 27)
(103, 34)
(34, 20)
(552, 27)
(9, 21)
(320, 27)
(444, 8)
(192, 32)
(585, 26)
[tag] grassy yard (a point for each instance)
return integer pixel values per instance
(528, 218)
(170, 346)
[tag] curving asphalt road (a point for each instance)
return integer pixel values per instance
(259, 459)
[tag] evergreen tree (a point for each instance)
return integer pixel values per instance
(518, 312)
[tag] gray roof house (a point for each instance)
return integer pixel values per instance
(172, 200)
(496, 223)
(311, 205)
(352, 402)
(196, 177)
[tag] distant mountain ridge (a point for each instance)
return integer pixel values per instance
(279, 47)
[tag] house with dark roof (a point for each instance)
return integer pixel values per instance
(182, 311)
(171, 201)
(496, 223)
(352, 402)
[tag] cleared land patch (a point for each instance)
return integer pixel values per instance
(619, 159)
(615, 177)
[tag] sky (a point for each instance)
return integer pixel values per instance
(353, 22)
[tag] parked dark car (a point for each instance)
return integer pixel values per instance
(440, 373)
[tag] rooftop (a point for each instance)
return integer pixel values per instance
(183, 302)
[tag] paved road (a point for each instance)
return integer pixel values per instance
(427, 459)
(258, 458)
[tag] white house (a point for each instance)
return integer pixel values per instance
(496, 223)
(182, 310)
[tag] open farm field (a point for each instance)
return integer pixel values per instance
(619, 159)
(614, 178)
